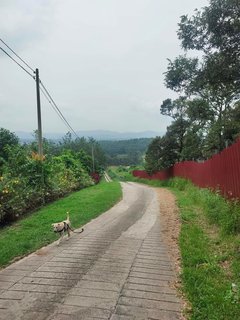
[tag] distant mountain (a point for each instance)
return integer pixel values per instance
(113, 135)
(96, 134)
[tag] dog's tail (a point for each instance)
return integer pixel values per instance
(76, 231)
(67, 215)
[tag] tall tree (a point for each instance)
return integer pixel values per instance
(215, 28)
(7, 139)
(215, 32)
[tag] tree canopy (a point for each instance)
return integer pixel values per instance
(205, 115)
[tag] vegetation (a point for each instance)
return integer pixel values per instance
(121, 173)
(27, 182)
(32, 232)
(206, 114)
(125, 152)
(209, 242)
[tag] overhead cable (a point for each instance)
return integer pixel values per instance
(42, 87)
(16, 55)
(56, 108)
(17, 63)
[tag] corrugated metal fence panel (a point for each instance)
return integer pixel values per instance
(221, 172)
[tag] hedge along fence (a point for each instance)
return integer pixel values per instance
(221, 172)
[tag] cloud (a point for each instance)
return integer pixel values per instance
(102, 61)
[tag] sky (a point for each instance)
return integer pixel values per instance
(103, 62)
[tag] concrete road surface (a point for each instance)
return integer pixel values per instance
(117, 269)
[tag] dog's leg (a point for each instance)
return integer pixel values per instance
(68, 232)
(61, 237)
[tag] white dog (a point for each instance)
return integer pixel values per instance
(62, 227)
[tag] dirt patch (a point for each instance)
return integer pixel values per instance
(170, 224)
(170, 228)
(42, 252)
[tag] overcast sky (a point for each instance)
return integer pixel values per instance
(101, 60)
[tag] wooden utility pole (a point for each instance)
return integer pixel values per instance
(40, 144)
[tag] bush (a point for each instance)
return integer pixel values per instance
(178, 183)
(219, 211)
(27, 182)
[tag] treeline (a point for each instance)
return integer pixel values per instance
(26, 181)
(125, 152)
(206, 114)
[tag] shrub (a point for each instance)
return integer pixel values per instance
(27, 182)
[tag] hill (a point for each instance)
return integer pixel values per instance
(96, 134)
(125, 152)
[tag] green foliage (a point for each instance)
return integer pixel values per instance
(88, 150)
(120, 173)
(214, 29)
(210, 258)
(181, 74)
(154, 154)
(178, 183)
(208, 86)
(34, 231)
(125, 152)
(222, 212)
(178, 144)
(219, 211)
(7, 139)
(26, 182)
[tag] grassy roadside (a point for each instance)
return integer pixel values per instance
(210, 249)
(34, 231)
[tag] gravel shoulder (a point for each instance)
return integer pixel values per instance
(170, 230)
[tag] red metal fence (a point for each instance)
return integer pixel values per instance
(221, 172)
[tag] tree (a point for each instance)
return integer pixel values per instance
(214, 29)
(206, 114)
(162, 153)
(153, 155)
(7, 139)
(214, 78)
(181, 74)
(181, 127)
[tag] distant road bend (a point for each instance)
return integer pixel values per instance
(106, 177)
(117, 269)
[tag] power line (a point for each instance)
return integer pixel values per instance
(52, 105)
(56, 108)
(17, 55)
(17, 63)
(43, 89)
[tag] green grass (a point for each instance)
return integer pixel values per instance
(210, 249)
(210, 254)
(34, 231)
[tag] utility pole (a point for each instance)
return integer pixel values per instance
(40, 144)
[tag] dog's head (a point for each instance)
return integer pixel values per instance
(57, 227)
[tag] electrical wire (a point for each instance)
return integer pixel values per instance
(16, 55)
(55, 107)
(17, 63)
(42, 88)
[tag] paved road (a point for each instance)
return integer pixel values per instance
(117, 269)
